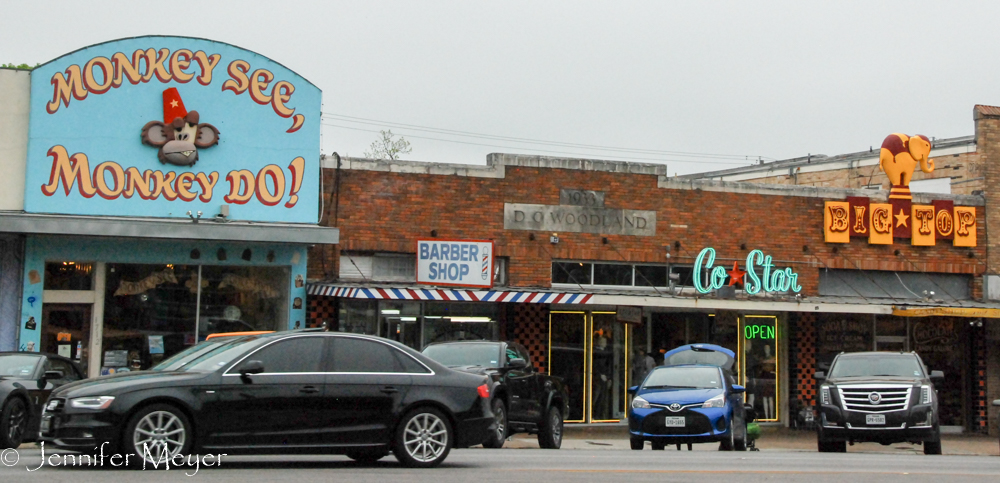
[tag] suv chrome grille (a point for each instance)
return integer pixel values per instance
(875, 398)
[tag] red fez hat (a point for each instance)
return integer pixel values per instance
(173, 106)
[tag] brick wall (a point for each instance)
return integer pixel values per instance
(988, 143)
(965, 171)
(388, 211)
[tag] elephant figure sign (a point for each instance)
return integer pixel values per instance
(898, 158)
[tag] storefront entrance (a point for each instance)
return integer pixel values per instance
(754, 338)
(67, 331)
(588, 351)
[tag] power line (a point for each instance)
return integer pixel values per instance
(543, 150)
(417, 127)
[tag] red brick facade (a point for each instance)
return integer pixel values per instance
(387, 211)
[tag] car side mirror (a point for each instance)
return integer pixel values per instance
(739, 389)
(48, 376)
(750, 413)
(820, 376)
(632, 390)
(937, 376)
(517, 363)
(251, 367)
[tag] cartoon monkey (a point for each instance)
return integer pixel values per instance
(180, 134)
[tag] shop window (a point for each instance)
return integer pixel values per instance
(381, 267)
(500, 274)
(609, 274)
(461, 321)
(650, 276)
(612, 274)
(897, 285)
(357, 316)
(571, 272)
(237, 299)
(149, 314)
(68, 276)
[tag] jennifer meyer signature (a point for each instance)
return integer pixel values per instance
(10, 457)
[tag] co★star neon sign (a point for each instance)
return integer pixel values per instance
(771, 280)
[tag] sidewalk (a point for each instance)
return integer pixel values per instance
(615, 436)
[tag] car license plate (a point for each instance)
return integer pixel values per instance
(46, 424)
(875, 419)
(674, 422)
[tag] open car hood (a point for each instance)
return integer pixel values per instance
(701, 354)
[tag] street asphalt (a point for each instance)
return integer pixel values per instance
(582, 458)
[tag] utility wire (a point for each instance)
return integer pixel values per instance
(375, 122)
(541, 150)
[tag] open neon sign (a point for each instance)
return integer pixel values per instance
(771, 280)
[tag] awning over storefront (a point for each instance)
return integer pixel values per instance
(449, 295)
(948, 312)
(657, 300)
(175, 228)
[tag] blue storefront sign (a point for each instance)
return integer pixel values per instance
(159, 126)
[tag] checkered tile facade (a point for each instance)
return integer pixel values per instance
(321, 309)
(980, 415)
(531, 329)
(802, 358)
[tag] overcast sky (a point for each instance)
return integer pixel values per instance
(654, 80)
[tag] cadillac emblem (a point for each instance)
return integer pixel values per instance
(675, 407)
(875, 398)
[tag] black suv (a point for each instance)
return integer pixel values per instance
(524, 400)
(883, 397)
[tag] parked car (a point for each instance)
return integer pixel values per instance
(884, 397)
(691, 398)
(285, 392)
(996, 402)
(524, 399)
(26, 379)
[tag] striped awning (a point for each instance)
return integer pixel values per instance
(448, 295)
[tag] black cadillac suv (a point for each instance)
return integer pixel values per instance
(883, 397)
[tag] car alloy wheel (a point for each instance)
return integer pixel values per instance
(424, 438)
(500, 414)
(15, 422)
(550, 435)
(159, 433)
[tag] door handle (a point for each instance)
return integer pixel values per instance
(389, 389)
(309, 389)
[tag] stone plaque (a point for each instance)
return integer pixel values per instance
(578, 219)
(593, 199)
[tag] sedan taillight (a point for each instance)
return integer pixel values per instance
(484, 391)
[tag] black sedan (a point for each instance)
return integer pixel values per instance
(26, 379)
(284, 392)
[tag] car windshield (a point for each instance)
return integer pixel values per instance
(873, 366)
(485, 355)
(683, 378)
(208, 356)
(18, 365)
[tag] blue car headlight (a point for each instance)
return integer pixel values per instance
(716, 402)
(640, 403)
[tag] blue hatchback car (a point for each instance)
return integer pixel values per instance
(691, 398)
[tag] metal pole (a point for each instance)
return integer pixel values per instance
(197, 306)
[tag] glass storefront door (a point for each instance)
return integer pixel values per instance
(608, 387)
(67, 331)
(568, 360)
(589, 352)
(758, 364)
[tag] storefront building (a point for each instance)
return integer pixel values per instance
(600, 267)
(169, 190)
